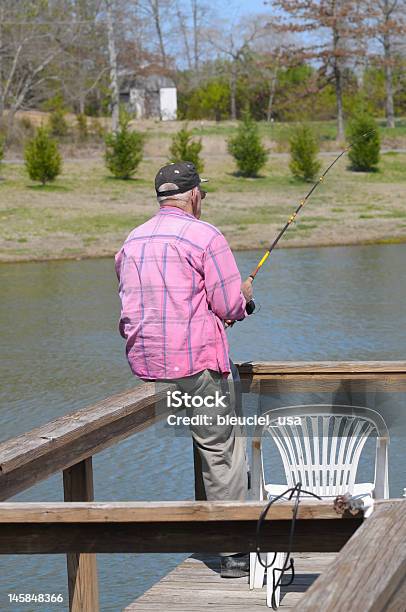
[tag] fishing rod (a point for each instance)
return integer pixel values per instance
(250, 307)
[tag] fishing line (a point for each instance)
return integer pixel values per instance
(288, 564)
(251, 304)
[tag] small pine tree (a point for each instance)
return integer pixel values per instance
(124, 150)
(364, 153)
(183, 148)
(247, 149)
(42, 158)
(83, 131)
(58, 126)
(304, 148)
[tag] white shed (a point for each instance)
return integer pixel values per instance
(168, 103)
(152, 96)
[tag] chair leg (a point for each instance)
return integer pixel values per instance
(271, 575)
(257, 571)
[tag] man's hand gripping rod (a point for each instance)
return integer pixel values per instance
(250, 307)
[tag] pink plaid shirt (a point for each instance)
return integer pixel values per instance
(178, 282)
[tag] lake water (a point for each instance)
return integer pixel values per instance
(61, 351)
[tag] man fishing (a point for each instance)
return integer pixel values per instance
(180, 287)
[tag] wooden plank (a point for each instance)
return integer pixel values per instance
(167, 527)
(196, 584)
(320, 367)
(34, 456)
(104, 412)
(82, 569)
(397, 602)
(56, 538)
(370, 571)
(324, 383)
(12, 513)
(322, 377)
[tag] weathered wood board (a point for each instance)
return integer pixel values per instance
(196, 584)
(94, 527)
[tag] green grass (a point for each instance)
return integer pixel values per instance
(280, 131)
(47, 221)
(310, 218)
(50, 188)
(395, 214)
(86, 211)
(95, 224)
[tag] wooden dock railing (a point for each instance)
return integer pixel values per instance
(369, 573)
(81, 527)
(159, 527)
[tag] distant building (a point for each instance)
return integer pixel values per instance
(152, 96)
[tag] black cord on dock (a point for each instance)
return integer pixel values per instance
(288, 564)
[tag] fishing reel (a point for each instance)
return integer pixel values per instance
(250, 307)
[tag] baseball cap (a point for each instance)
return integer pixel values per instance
(182, 174)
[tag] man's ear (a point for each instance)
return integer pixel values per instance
(194, 198)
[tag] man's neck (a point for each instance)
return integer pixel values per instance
(187, 208)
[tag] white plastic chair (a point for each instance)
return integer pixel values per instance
(322, 452)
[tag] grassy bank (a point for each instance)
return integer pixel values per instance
(214, 135)
(87, 213)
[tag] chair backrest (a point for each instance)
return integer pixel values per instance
(321, 444)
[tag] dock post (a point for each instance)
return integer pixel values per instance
(82, 569)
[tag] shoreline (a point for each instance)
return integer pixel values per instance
(299, 245)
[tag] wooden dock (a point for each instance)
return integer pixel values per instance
(195, 585)
(368, 572)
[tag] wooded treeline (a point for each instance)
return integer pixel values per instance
(298, 59)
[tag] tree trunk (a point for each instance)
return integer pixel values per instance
(2, 101)
(339, 97)
(82, 105)
(115, 94)
(10, 119)
(272, 88)
(183, 29)
(338, 78)
(233, 92)
(195, 35)
(390, 113)
(157, 21)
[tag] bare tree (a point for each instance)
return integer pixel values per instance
(84, 65)
(2, 52)
(32, 36)
(152, 9)
(272, 52)
(155, 7)
(337, 24)
(389, 27)
(271, 69)
(234, 44)
(115, 93)
(195, 21)
(182, 24)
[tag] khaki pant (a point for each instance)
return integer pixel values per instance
(221, 467)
